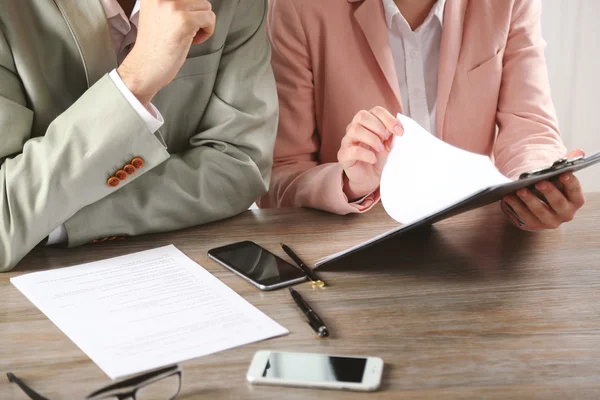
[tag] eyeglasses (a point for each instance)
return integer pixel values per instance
(161, 384)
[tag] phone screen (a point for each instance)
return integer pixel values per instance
(314, 368)
(257, 264)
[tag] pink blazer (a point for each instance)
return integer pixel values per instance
(332, 58)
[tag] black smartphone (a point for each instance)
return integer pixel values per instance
(257, 265)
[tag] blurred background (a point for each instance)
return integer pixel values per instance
(572, 30)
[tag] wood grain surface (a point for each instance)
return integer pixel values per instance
(470, 308)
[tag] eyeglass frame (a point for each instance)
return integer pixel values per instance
(125, 389)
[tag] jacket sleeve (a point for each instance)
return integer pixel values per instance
(228, 165)
(528, 136)
(299, 180)
(45, 180)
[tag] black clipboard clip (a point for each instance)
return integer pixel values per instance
(556, 166)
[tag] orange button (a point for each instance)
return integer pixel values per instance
(130, 169)
(137, 162)
(122, 175)
(113, 181)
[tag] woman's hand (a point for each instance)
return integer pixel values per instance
(364, 150)
(534, 214)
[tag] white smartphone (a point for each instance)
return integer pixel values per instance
(257, 265)
(316, 370)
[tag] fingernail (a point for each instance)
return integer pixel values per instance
(523, 193)
(542, 186)
(566, 177)
(399, 130)
(380, 147)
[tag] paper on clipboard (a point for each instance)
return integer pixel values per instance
(424, 175)
(426, 180)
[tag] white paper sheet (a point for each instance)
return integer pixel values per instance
(424, 175)
(145, 310)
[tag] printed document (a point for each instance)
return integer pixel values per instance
(146, 310)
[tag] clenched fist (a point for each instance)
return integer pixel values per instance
(167, 29)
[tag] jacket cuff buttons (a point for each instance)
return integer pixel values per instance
(128, 169)
(113, 181)
(137, 162)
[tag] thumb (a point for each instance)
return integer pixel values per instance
(575, 153)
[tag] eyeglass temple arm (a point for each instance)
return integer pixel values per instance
(135, 381)
(33, 395)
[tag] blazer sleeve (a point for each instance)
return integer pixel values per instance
(298, 179)
(228, 165)
(45, 180)
(528, 135)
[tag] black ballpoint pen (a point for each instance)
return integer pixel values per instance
(315, 322)
(311, 275)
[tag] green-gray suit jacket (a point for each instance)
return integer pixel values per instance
(65, 128)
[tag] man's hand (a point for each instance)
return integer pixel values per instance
(364, 150)
(167, 29)
(535, 215)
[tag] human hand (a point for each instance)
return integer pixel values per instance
(364, 150)
(534, 214)
(167, 29)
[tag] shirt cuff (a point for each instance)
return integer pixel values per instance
(151, 116)
(59, 236)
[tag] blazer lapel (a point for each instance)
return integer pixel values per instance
(371, 18)
(87, 22)
(454, 18)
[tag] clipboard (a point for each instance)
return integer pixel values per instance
(479, 199)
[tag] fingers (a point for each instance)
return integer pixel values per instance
(348, 156)
(373, 128)
(388, 120)
(199, 16)
(575, 153)
(366, 129)
(536, 214)
(357, 134)
(388, 143)
(207, 22)
(563, 209)
(544, 214)
(512, 215)
(564, 197)
(566, 203)
(530, 221)
(192, 5)
(573, 190)
(368, 120)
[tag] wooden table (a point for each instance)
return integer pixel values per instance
(472, 308)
